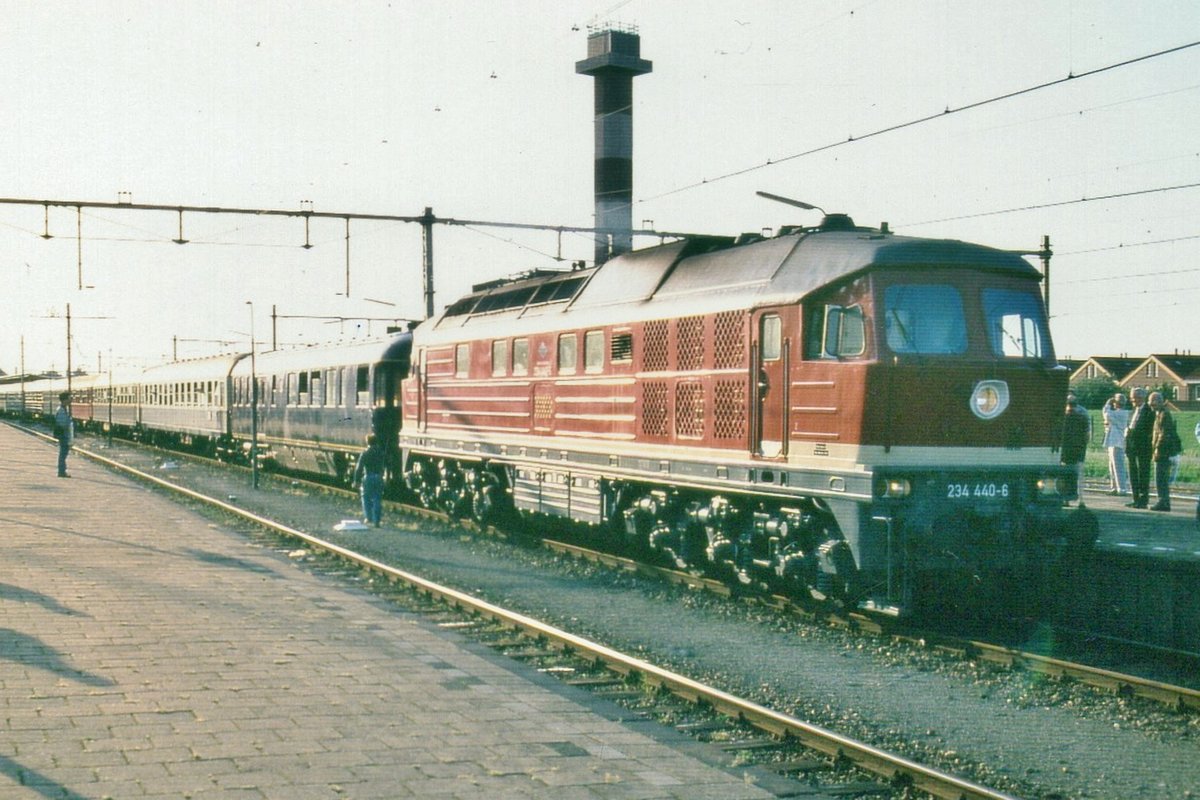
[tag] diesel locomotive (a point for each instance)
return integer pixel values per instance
(836, 410)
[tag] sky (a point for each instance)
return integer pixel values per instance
(473, 109)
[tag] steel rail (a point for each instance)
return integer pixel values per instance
(1118, 682)
(897, 769)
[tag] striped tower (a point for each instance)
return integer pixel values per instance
(614, 59)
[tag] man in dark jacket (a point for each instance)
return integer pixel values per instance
(1138, 448)
(1076, 430)
(1165, 444)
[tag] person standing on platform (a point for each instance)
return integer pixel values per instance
(64, 431)
(1138, 448)
(1116, 420)
(1166, 444)
(368, 476)
(1074, 444)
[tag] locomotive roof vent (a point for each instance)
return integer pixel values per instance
(837, 222)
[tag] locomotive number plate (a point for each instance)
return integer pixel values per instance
(971, 491)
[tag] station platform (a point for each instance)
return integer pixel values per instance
(1173, 534)
(148, 652)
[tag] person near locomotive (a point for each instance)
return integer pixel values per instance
(1165, 444)
(64, 432)
(1116, 421)
(1075, 435)
(1139, 449)
(368, 476)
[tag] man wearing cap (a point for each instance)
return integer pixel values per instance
(64, 431)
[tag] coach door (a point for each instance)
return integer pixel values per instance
(770, 361)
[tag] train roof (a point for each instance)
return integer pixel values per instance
(711, 274)
(368, 351)
(193, 369)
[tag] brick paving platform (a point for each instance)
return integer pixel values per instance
(147, 652)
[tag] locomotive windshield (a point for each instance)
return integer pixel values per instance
(940, 319)
(924, 319)
(1015, 325)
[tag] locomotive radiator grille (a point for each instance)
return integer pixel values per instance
(729, 351)
(689, 410)
(729, 418)
(654, 408)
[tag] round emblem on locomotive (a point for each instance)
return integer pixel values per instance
(989, 399)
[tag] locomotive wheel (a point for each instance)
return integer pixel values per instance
(485, 502)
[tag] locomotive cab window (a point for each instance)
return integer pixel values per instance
(593, 351)
(1015, 324)
(499, 357)
(772, 337)
(925, 319)
(834, 331)
(567, 354)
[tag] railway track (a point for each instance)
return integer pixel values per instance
(1123, 684)
(901, 774)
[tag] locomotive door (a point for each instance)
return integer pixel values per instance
(422, 391)
(769, 389)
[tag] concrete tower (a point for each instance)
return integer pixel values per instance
(614, 59)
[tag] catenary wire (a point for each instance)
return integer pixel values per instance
(928, 118)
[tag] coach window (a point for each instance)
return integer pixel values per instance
(332, 387)
(362, 386)
(772, 337)
(568, 354)
(499, 357)
(317, 393)
(593, 351)
(293, 389)
(520, 357)
(462, 361)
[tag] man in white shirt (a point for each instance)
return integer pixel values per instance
(1116, 420)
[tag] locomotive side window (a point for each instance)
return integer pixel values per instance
(500, 357)
(520, 357)
(568, 354)
(462, 360)
(1015, 325)
(834, 331)
(593, 351)
(622, 348)
(772, 337)
(924, 318)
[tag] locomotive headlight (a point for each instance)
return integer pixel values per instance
(895, 487)
(989, 399)
(1048, 485)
